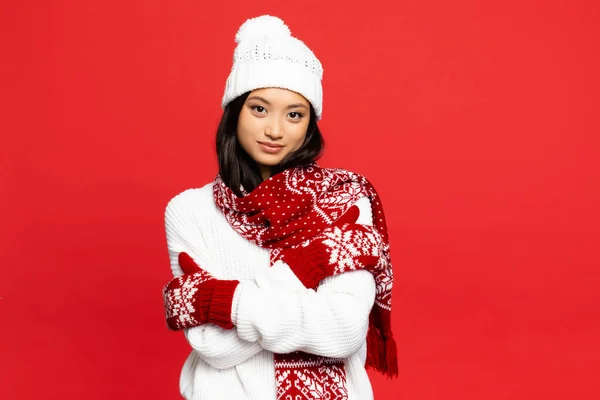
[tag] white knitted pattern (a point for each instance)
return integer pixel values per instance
(272, 310)
(268, 57)
(178, 301)
(313, 383)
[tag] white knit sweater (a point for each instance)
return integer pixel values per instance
(272, 311)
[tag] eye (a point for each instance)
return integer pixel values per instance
(295, 115)
(258, 109)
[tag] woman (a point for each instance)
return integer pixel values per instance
(281, 267)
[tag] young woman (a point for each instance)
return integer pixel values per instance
(282, 270)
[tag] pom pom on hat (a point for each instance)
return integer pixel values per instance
(268, 56)
(265, 25)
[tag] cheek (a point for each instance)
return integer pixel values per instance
(245, 128)
(299, 133)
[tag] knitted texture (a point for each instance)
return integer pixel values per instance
(268, 56)
(298, 211)
(197, 297)
(305, 377)
(271, 310)
(337, 249)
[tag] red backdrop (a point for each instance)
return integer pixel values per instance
(477, 122)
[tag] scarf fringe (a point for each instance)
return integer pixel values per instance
(326, 193)
(382, 352)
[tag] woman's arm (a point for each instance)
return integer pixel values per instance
(331, 321)
(221, 348)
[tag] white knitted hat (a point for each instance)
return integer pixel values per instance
(267, 55)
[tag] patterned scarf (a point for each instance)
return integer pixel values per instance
(290, 210)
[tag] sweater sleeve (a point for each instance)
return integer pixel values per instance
(219, 347)
(331, 321)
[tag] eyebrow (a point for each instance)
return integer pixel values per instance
(295, 105)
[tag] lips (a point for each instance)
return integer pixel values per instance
(271, 148)
(271, 145)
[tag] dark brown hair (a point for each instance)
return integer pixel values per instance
(236, 167)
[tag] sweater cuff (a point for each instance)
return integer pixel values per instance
(219, 312)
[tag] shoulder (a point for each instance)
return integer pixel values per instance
(190, 201)
(359, 184)
(342, 174)
(365, 216)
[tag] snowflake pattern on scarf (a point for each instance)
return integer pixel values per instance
(293, 209)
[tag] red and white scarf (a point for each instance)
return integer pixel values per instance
(288, 211)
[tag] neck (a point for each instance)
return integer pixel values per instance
(265, 172)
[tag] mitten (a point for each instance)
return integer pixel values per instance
(187, 264)
(337, 249)
(197, 297)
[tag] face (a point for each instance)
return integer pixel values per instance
(271, 125)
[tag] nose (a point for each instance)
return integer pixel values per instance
(273, 129)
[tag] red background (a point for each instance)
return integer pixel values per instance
(477, 122)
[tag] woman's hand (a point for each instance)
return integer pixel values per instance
(188, 265)
(197, 297)
(345, 245)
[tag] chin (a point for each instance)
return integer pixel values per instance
(270, 162)
(267, 160)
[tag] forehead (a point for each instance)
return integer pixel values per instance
(279, 96)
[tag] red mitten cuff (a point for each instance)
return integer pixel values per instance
(219, 311)
(202, 299)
